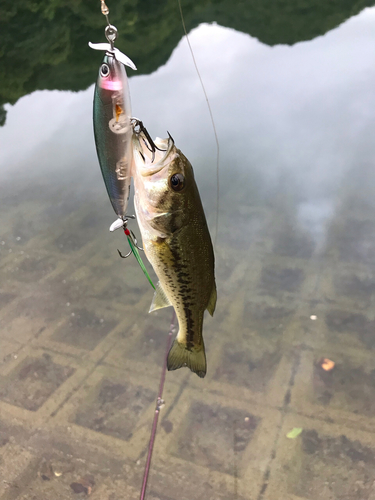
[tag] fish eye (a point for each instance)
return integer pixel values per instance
(104, 70)
(177, 182)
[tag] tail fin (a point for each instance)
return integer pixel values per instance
(194, 359)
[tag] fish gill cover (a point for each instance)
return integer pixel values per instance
(43, 44)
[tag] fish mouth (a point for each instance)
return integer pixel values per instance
(150, 160)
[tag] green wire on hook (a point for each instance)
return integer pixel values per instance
(134, 249)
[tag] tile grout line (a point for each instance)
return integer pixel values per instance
(317, 262)
(283, 414)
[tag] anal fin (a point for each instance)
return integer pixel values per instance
(212, 302)
(159, 299)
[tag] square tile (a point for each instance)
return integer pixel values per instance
(113, 408)
(346, 393)
(325, 462)
(248, 366)
(84, 329)
(33, 381)
(213, 434)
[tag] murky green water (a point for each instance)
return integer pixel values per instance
(80, 357)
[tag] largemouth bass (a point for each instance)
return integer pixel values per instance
(177, 243)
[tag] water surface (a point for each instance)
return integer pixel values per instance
(295, 265)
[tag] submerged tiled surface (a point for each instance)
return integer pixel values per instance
(80, 361)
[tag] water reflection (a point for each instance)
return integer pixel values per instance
(295, 117)
(44, 45)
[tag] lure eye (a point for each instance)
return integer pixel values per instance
(104, 70)
(177, 182)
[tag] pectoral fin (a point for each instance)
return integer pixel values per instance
(159, 299)
(212, 302)
(172, 220)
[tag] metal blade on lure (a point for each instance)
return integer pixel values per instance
(120, 57)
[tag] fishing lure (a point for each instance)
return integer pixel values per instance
(113, 131)
(112, 120)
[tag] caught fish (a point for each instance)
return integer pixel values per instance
(112, 127)
(177, 243)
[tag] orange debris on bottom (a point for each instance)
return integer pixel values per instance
(327, 364)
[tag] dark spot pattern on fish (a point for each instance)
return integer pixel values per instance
(184, 292)
(162, 199)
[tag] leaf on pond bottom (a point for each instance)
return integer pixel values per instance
(296, 431)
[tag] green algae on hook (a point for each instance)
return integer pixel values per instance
(295, 432)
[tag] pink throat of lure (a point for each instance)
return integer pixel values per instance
(111, 84)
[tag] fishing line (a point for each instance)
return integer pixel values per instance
(159, 401)
(159, 404)
(235, 459)
(111, 33)
(213, 126)
(105, 11)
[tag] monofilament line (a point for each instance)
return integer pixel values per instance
(159, 402)
(213, 126)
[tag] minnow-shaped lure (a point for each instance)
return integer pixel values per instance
(113, 130)
(112, 127)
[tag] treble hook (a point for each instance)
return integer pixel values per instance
(132, 240)
(131, 235)
(135, 241)
(124, 256)
(152, 147)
